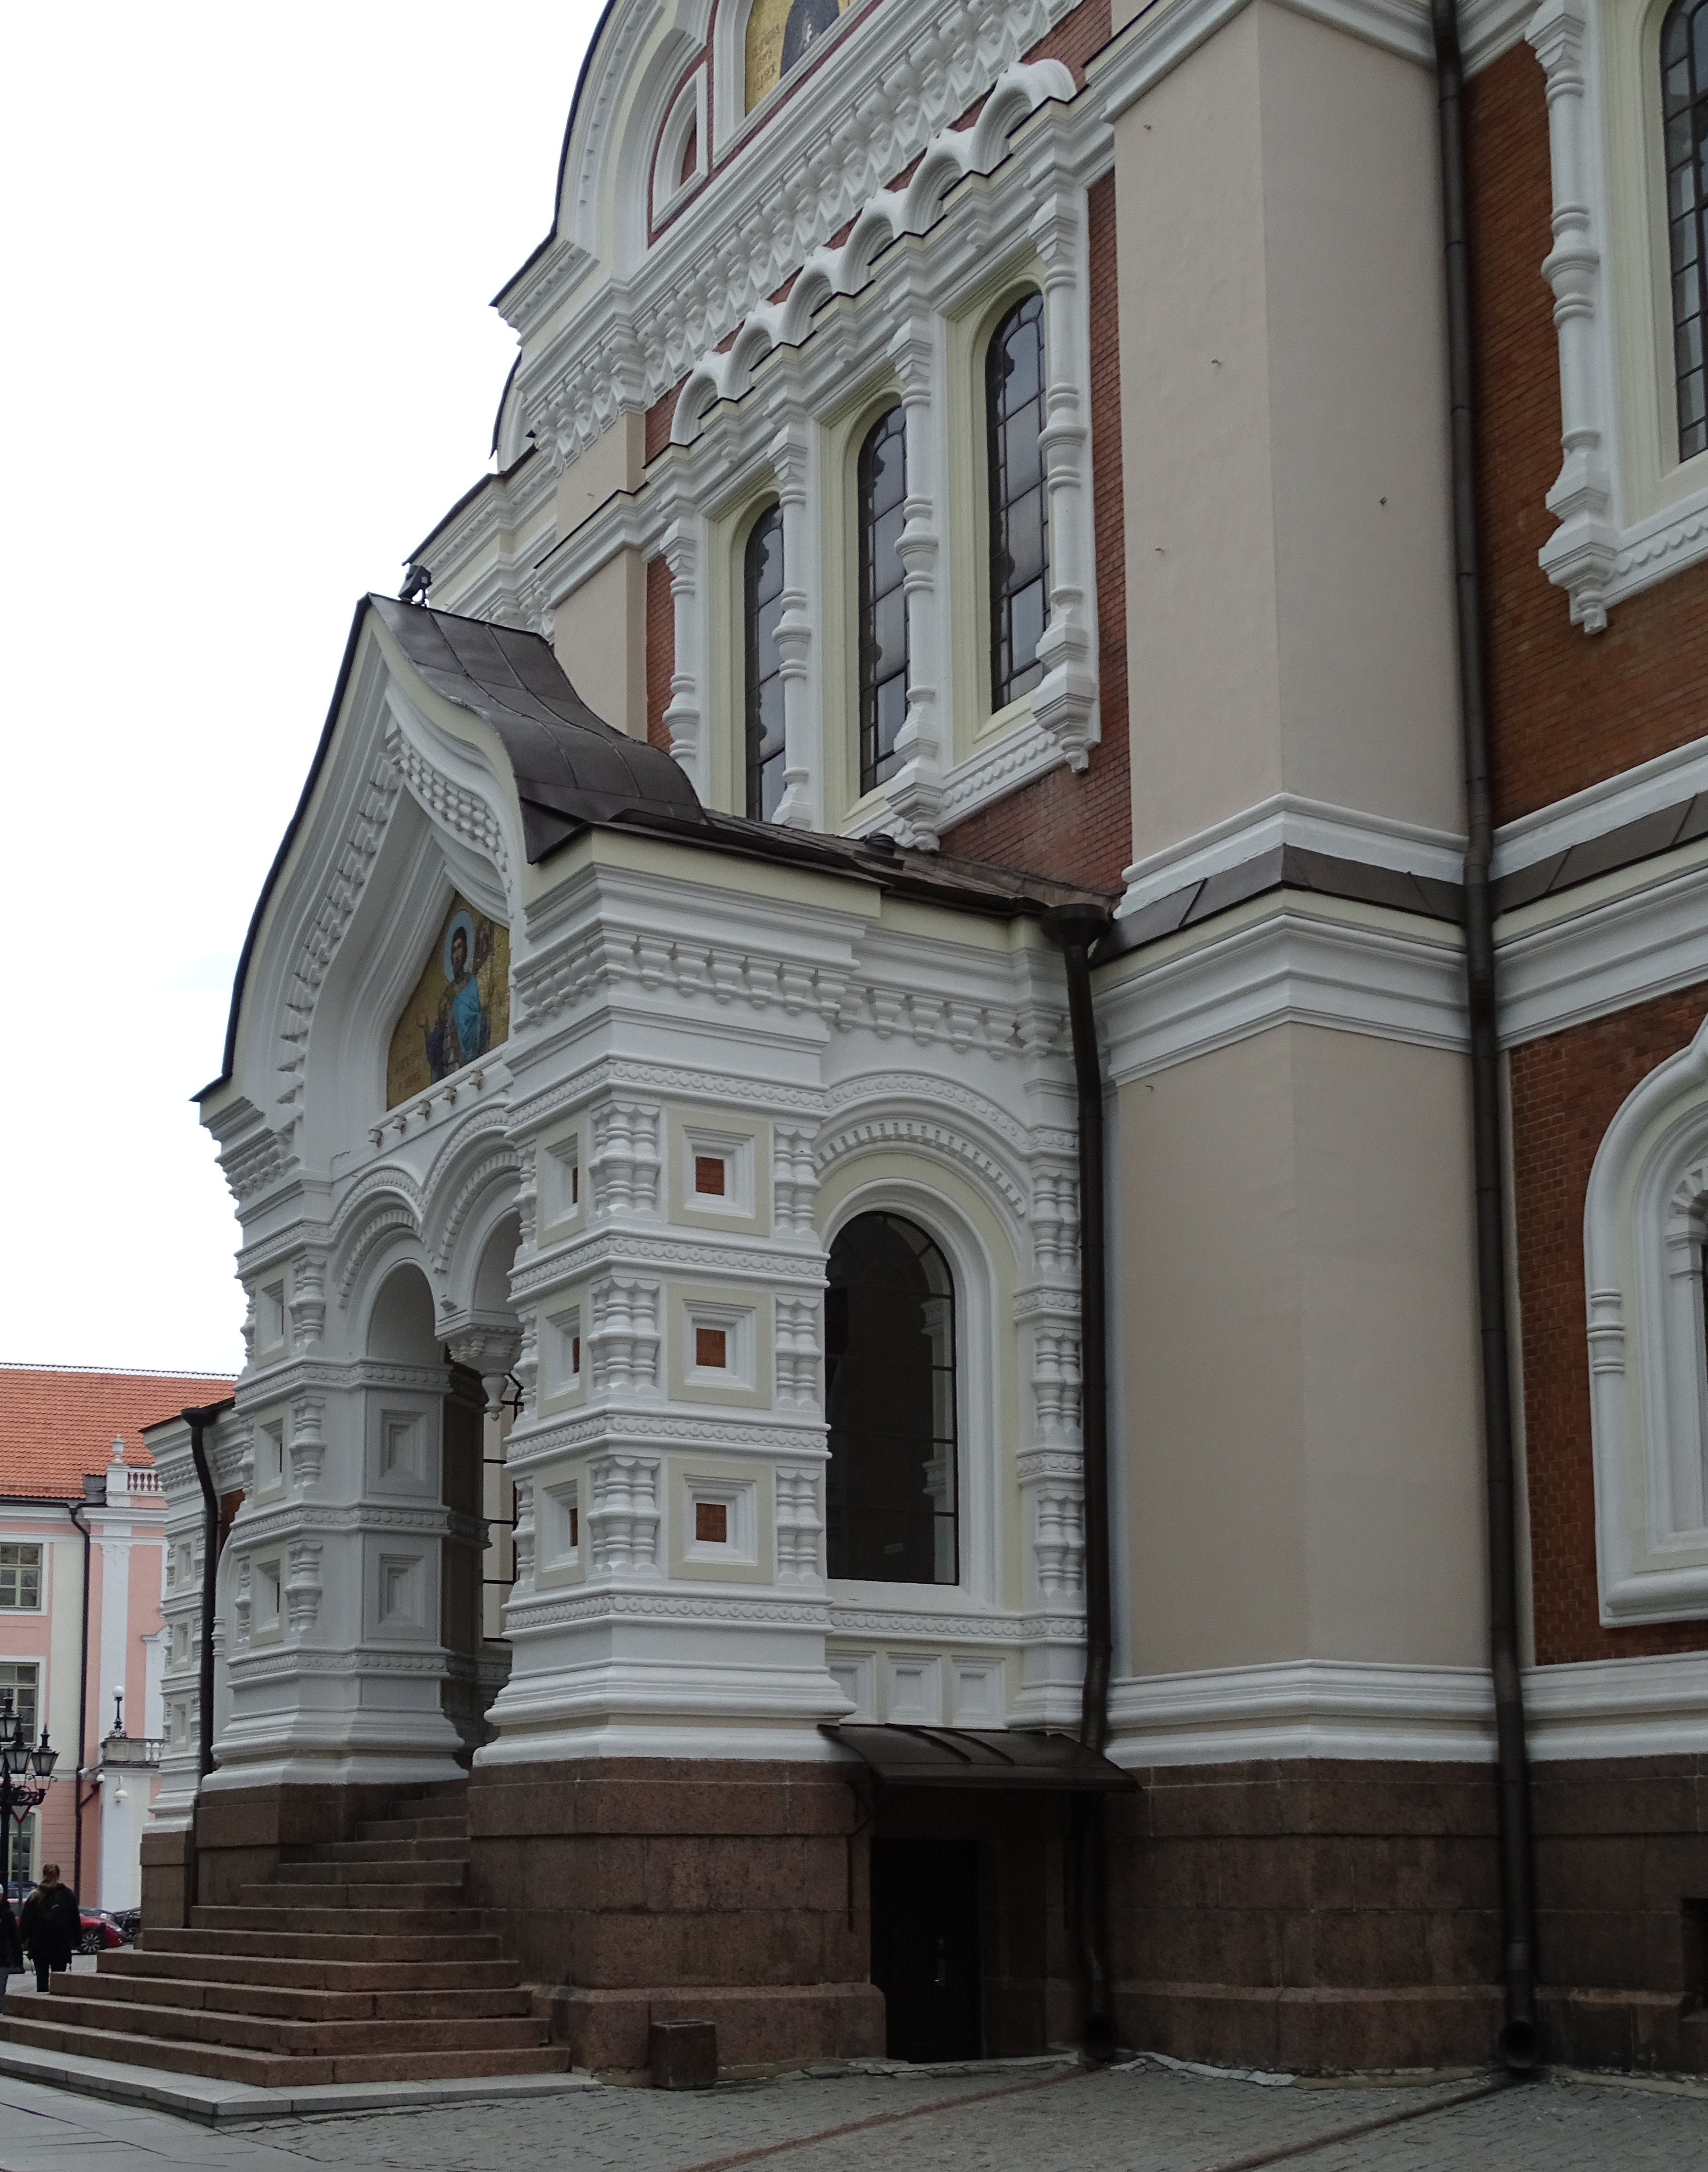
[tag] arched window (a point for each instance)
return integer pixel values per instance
(882, 480)
(1019, 502)
(889, 1396)
(1684, 94)
(763, 586)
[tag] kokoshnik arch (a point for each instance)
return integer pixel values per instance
(963, 458)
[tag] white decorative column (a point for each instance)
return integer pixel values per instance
(1580, 555)
(1064, 704)
(916, 789)
(791, 453)
(684, 551)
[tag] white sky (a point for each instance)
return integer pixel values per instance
(248, 362)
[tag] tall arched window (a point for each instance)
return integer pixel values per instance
(882, 483)
(889, 1396)
(1019, 502)
(1684, 94)
(763, 588)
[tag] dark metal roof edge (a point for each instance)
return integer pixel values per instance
(1073, 1773)
(1627, 845)
(1286, 867)
(240, 978)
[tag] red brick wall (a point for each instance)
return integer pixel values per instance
(1080, 828)
(1565, 1091)
(1568, 708)
(661, 650)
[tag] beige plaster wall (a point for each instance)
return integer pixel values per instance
(614, 462)
(1289, 599)
(599, 637)
(1300, 1451)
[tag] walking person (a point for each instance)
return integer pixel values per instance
(52, 1924)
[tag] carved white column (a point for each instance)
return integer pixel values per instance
(1580, 555)
(1066, 702)
(684, 553)
(791, 455)
(916, 789)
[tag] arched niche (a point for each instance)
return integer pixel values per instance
(400, 1325)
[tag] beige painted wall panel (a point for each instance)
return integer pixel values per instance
(1282, 372)
(1209, 1339)
(1301, 1454)
(1359, 404)
(599, 637)
(1202, 661)
(612, 462)
(1395, 1496)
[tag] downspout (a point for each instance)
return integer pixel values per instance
(1075, 928)
(198, 1422)
(1519, 2046)
(74, 1510)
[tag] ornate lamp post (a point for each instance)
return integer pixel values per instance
(25, 1774)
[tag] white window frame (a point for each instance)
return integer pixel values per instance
(1646, 1219)
(1629, 511)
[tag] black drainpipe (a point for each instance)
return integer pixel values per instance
(198, 1422)
(74, 1510)
(1519, 2042)
(1075, 928)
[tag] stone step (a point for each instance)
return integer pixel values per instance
(227, 2064)
(277, 1901)
(448, 1871)
(392, 1829)
(424, 1847)
(267, 1966)
(308, 2004)
(340, 1936)
(271, 2034)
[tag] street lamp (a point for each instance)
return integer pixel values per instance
(24, 1773)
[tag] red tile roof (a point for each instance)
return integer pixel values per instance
(58, 1422)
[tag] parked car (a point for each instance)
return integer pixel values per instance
(100, 1931)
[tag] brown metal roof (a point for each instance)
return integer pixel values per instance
(977, 1757)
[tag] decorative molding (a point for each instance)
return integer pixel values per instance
(453, 807)
(902, 1626)
(1618, 803)
(1640, 1707)
(1603, 947)
(917, 1135)
(1288, 959)
(679, 1081)
(1288, 820)
(1304, 1708)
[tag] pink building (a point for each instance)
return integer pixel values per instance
(82, 1565)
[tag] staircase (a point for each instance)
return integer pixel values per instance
(361, 1963)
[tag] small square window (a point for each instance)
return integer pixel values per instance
(718, 1172)
(712, 1522)
(711, 1174)
(712, 1349)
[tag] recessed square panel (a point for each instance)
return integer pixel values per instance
(711, 1175)
(712, 1349)
(712, 1522)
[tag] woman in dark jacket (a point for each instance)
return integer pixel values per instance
(52, 1923)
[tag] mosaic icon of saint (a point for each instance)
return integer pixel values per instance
(460, 1032)
(808, 19)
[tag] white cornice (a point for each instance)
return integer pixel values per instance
(1604, 945)
(1312, 825)
(1170, 31)
(1284, 958)
(1641, 1708)
(1304, 1708)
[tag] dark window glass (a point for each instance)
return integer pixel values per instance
(883, 605)
(889, 1396)
(1684, 95)
(1019, 501)
(764, 584)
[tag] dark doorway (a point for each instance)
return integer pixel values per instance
(924, 1946)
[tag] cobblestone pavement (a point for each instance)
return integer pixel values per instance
(1142, 2119)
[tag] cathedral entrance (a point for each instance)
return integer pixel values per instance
(925, 1947)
